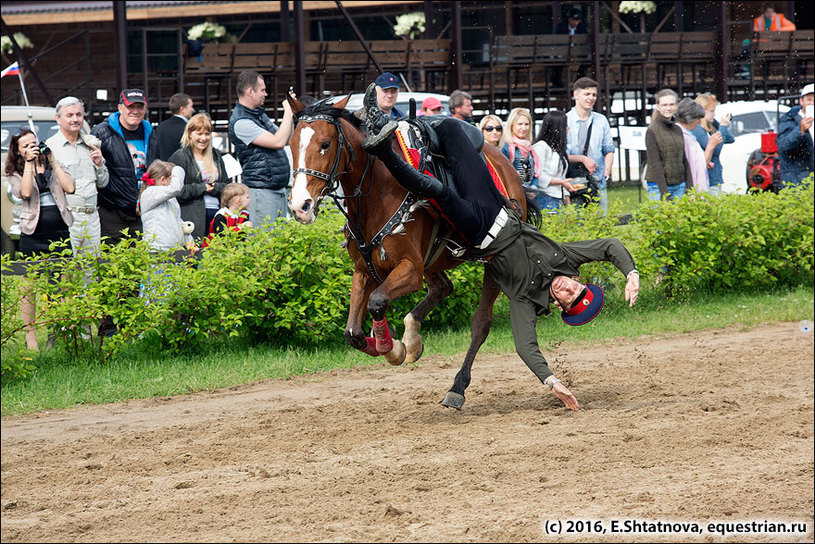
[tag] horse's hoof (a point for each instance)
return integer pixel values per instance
(396, 356)
(453, 400)
(413, 356)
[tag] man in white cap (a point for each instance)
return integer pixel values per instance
(795, 140)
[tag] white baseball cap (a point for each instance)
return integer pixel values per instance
(808, 89)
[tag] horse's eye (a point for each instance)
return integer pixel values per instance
(325, 145)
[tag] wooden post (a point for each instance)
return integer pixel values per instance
(456, 74)
(120, 33)
(723, 39)
(595, 41)
(285, 21)
(299, 48)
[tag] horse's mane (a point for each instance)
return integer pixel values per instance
(324, 108)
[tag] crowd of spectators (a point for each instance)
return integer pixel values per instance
(125, 177)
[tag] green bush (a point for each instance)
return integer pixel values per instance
(291, 286)
(728, 242)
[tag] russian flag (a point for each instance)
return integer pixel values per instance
(12, 70)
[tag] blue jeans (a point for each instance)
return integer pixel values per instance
(266, 205)
(546, 202)
(676, 191)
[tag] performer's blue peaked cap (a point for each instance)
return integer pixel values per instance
(387, 81)
(586, 307)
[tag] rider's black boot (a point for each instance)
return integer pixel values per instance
(411, 179)
(378, 126)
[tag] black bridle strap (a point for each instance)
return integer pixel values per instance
(401, 215)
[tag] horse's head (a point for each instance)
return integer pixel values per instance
(317, 155)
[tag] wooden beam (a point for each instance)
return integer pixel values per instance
(195, 10)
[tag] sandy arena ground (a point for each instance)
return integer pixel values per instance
(700, 427)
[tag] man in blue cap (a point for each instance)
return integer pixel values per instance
(387, 90)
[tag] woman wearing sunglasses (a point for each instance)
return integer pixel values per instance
(518, 147)
(493, 130)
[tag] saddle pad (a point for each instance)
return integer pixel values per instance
(412, 156)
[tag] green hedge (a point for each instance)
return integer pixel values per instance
(292, 285)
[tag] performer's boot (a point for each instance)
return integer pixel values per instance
(378, 126)
(411, 179)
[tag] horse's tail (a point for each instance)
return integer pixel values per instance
(533, 213)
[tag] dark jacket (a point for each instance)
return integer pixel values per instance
(563, 27)
(665, 153)
(524, 264)
(122, 190)
(262, 168)
(169, 133)
(795, 152)
(191, 198)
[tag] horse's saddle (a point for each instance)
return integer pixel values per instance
(420, 134)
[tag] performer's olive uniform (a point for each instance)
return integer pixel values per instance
(524, 262)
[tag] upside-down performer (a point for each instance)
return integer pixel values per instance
(532, 270)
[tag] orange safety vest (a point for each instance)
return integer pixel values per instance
(778, 23)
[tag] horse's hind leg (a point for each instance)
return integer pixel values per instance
(482, 321)
(438, 287)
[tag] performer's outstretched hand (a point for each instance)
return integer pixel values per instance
(632, 288)
(566, 396)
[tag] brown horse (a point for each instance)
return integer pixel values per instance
(327, 155)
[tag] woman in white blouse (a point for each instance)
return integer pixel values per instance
(553, 187)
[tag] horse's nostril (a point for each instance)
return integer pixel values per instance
(306, 206)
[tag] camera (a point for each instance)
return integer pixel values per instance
(44, 149)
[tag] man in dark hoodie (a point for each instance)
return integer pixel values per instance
(128, 147)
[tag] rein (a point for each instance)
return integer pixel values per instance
(394, 225)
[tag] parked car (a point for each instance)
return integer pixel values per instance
(12, 119)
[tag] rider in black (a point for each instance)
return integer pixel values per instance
(476, 208)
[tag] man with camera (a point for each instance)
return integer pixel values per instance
(128, 146)
(588, 142)
(79, 154)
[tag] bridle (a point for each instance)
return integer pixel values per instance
(332, 180)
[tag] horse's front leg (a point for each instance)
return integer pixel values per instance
(361, 287)
(438, 287)
(405, 278)
(482, 321)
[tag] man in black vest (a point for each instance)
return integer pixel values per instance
(170, 130)
(259, 146)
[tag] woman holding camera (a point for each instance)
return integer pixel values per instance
(41, 183)
(518, 148)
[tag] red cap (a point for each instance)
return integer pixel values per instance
(431, 103)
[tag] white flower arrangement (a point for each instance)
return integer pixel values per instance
(637, 7)
(209, 30)
(22, 41)
(410, 25)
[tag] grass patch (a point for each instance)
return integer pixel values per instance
(138, 372)
(627, 196)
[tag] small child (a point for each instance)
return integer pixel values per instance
(233, 213)
(158, 207)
